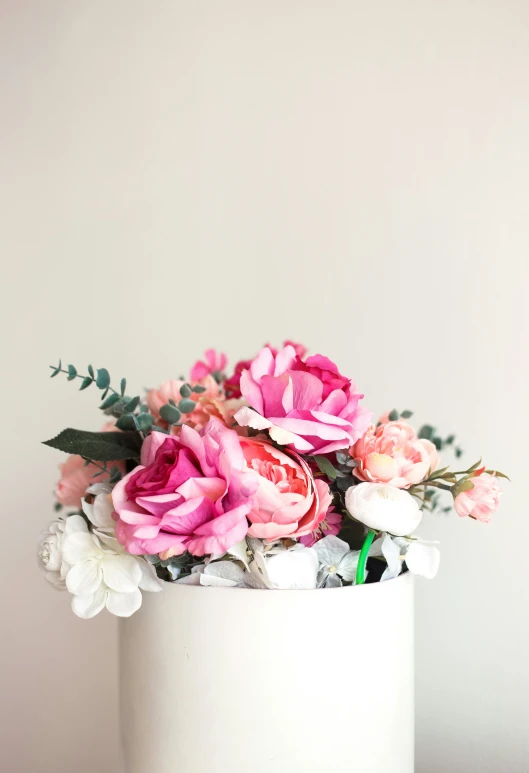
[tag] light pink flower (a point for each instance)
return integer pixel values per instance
(191, 492)
(305, 405)
(209, 404)
(330, 526)
(392, 453)
(76, 477)
(481, 501)
(214, 362)
(289, 502)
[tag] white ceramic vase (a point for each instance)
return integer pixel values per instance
(230, 680)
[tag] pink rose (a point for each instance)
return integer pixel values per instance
(392, 453)
(289, 501)
(191, 492)
(330, 526)
(481, 501)
(215, 362)
(305, 405)
(209, 404)
(76, 477)
(232, 384)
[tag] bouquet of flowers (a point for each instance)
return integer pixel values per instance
(274, 477)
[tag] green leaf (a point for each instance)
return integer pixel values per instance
(123, 386)
(325, 466)
(186, 405)
(426, 432)
(198, 389)
(115, 475)
(438, 443)
(126, 422)
(91, 371)
(131, 406)
(406, 414)
(72, 372)
(103, 378)
(170, 414)
(109, 402)
(393, 415)
(57, 370)
(458, 452)
(342, 458)
(145, 421)
(85, 383)
(464, 485)
(160, 429)
(57, 507)
(498, 474)
(99, 446)
(449, 440)
(144, 408)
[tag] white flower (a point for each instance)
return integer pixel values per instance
(337, 562)
(276, 567)
(103, 574)
(383, 508)
(220, 573)
(421, 557)
(50, 552)
(99, 511)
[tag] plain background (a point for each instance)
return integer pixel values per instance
(353, 175)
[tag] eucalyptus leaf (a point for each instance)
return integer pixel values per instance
(145, 421)
(85, 383)
(170, 414)
(393, 415)
(57, 370)
(99, 446)
(91, 371)
(123, 386)
(185, 390)
(186, 405)
(426, 432)
(406, 414)
(131, 406)
(109, 402)
(72, 372)
(198, 389)
(126, 422)
(103, 378)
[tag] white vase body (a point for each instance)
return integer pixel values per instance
(229, 680)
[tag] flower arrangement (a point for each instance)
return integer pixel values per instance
(273, 477)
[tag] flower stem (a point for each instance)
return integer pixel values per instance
(362, 558)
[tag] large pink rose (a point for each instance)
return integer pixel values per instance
(392, 453)
(289, 502)
(209, 404)
(305, 405)
(191, 492)
(481, 501)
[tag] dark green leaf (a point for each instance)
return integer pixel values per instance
(449, 440)
(131, 406)
(160, 429)
(103, 378)
(115, 475)
(325, 466)
(91, 371)
(126, 422)
(393, 415)
(72, 372)
(144, 408)
(57, 506)
(438, 443)
(172, 402)
(458, 452)
(123, 386)
(406, 414)
(97, 474)
(498, 474)
(85, 383)
(344, 483)
(100, 446)
(186, 405)
(57, 370)
(145, 421)
(426, 432)
(110, 401)
(198, 389)
(185, 390)
(342, 458)
(170, 414)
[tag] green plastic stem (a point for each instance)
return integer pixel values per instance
(362, 559)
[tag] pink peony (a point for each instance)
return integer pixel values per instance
(191, 492)
(289, 501)
(305, 405)
(215, 362)
(209, 404)
(330, 526)
(392, 453)
(232, 385)
(76, 477)
(481, 501)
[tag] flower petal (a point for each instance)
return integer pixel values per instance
(123, 604)
(121, 573)
(330, 550)
(423, 559)
(149, 579)
(89, 606)
(333, 581)
(80, 546)
(347, 566)
(84, 578)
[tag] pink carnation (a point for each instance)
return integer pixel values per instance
(330, 526)
(306, 405)
(392, 453)
(214, 362)
(481, 501)
(191, 492)
(289, 501)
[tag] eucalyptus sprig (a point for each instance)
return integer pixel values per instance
(171, 412)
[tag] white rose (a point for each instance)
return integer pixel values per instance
(383, 508)
(50, 549)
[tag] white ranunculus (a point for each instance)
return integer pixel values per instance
(102, 574)
(50, 548)
(383, 508)
(337, 562)
(421, 558)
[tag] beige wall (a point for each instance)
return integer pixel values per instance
(184, 174)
